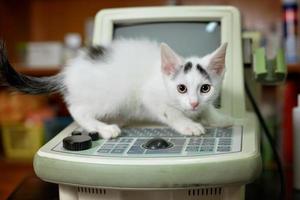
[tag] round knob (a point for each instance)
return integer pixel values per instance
(157, 143)
(77, 142)
(76, 133)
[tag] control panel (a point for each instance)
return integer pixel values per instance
(153, 142)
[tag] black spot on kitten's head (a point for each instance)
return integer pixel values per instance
(187, 67)
(203, 72)
(95, 52)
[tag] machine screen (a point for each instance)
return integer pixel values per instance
(186, 38)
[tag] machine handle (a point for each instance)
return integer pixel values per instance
(271, 71)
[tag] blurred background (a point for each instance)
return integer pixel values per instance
(40, 35)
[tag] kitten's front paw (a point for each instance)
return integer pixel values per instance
(191, 129)
(110, 131)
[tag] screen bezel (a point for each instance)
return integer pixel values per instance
(232, 97)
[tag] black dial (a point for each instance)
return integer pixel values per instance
(77, 142)
(157, 143)
(76, 133)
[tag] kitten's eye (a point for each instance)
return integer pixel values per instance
(182, 88)
(205, 88)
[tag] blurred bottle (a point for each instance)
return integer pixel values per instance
(72, 45)
(296, 145)
(290, 30)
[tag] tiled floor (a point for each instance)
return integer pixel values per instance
(11, 175)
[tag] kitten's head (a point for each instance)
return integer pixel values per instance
(194, 82)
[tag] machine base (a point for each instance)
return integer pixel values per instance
(67, 192)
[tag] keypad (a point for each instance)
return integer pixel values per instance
(216, 140)
(131, 141)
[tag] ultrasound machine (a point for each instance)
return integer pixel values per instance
(213, 166)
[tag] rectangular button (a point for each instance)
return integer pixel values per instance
(144, 133)
(225, 130)
(136, 150)
(154, 134)
(130, 132)
(223, 148)
(103, 150)
(228, 134)
(191, 148)
(140, 142)
(178, 141)
(208, 141)
(121, 146)
(114, 140)
(225, 141)
(210, 130)
(163, 135)
(107, 146)
(206, 149)
(195, 141)
(208, 135)
(171, 133)
(219, 134)
(126, 140)
(118, 151)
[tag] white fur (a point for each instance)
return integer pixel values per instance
(131, 84)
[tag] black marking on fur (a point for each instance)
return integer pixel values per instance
(23, 83)
(95, 52)
(187, 67)
(203, 72)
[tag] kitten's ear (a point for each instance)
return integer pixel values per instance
(170, 61)
(217, 60)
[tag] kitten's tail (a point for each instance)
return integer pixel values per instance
(27, 84)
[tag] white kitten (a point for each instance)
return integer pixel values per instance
(134, 80)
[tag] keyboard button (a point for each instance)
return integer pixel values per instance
(208, 135)
(210, 130)
(114, 140)
(126, 140)
(191, 148)
(121, 146)
(117, 151)
(208, 141)
(107, 146)
(228, 134)
(195, 141)
(103, 150)
(223, 148)
(225, 141)
(219, 134)
(178, 141)
(206, 149)
(139, 142)
(136, 150)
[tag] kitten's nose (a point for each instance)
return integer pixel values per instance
(194, 104)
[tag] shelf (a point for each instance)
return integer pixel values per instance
(37, 71)
(294, 68)
(48, 71)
